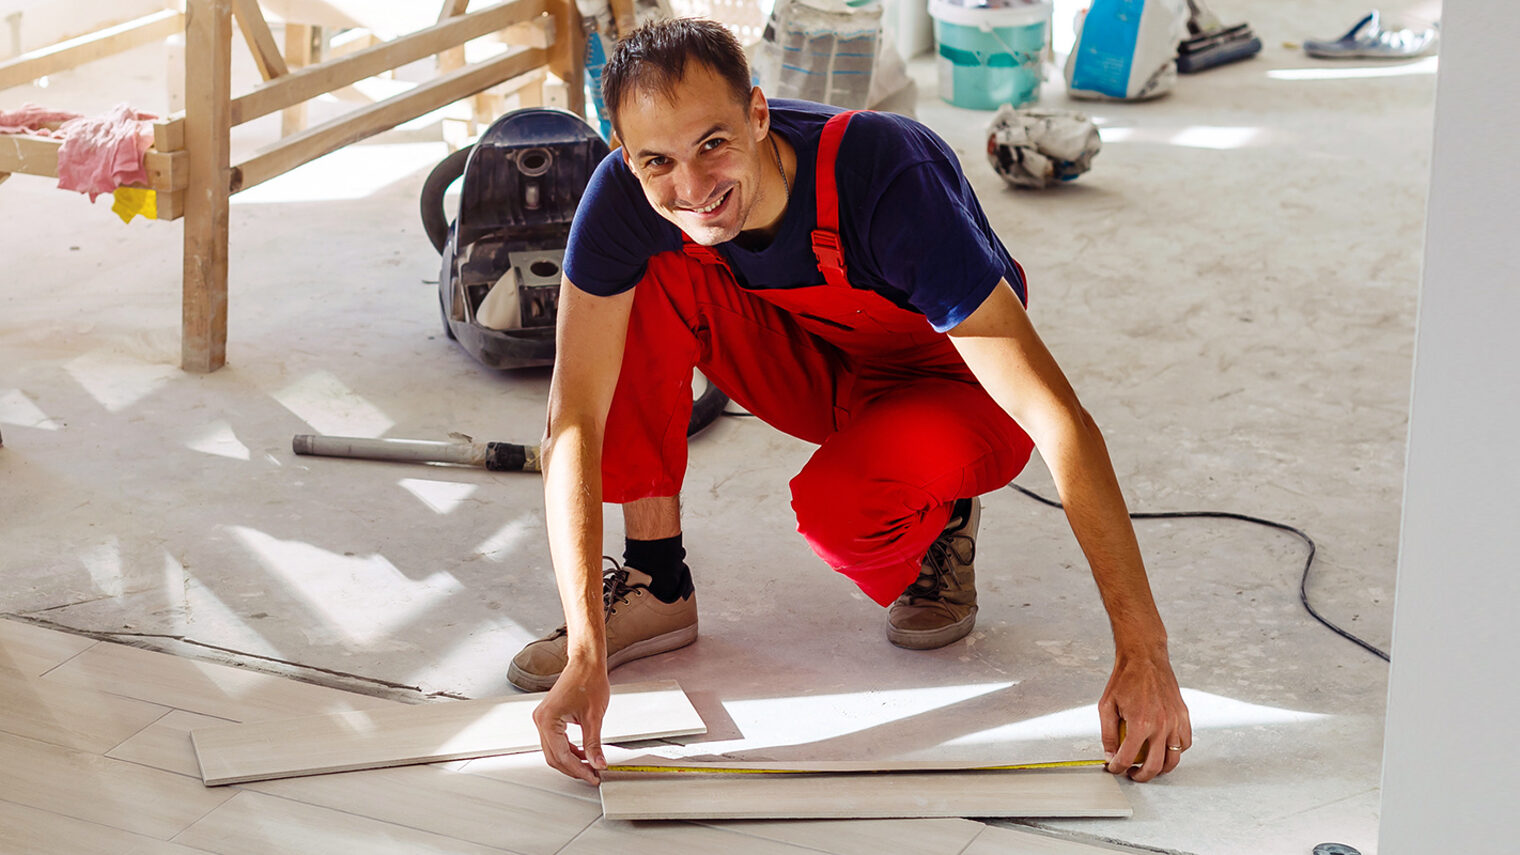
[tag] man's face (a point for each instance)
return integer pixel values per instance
(698, 153)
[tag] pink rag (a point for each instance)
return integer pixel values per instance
(98, 154)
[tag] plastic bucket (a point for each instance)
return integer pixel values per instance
(990, 55)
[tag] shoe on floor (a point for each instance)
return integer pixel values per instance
(638, 625)
(940, 606)
(1368, 40)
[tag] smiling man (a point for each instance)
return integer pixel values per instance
(835, 274)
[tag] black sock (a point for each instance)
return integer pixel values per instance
(665, 562)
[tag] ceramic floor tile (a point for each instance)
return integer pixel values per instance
(995, 840)
(257, 824)
(72, 718)
(222, 691)
(611, 837)
(97, 789)
(530, 770)
(405, 734)
(165, 744)
(31, 831)
(1044, 793)
(865, 836)
(469, 807)
(31, 650)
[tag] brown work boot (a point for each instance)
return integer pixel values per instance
(639, 624)
(940, 607)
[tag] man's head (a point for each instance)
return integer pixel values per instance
(693, 129)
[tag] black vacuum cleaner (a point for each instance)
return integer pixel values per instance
(498, 288)
(1211, 44)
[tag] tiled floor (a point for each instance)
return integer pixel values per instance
(94, 738)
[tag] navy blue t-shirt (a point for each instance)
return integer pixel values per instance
(912, 229)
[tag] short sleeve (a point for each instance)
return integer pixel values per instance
(614, 232)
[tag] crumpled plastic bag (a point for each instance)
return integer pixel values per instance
(1035, 148)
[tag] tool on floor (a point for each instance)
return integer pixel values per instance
(463, 451)
(1211, 44)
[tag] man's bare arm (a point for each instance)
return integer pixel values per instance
(590, 337)
(1001, 348)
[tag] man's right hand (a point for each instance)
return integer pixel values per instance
(580, 696)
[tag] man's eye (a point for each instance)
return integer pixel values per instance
(654, 163)
(712, 144)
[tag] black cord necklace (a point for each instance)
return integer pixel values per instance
(787, 185)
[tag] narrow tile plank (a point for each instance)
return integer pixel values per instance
(882, 795)
(609, 837)
(68, 717)
(865, 836)
(995, 840)
(165, 744)
(530, 770)
(97, 789)
(469, 807)
(222, 691)
(257, 824)
(422, 733)
(32, 650)
(38, 832)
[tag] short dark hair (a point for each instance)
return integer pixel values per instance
(654, 57)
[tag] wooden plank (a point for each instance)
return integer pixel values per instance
(236, 694)
(169, 134)
(255, 30)
(623, 17)
(31, 650)
(422, 733)
(208, 86)
(1058, 793)
(29, 155)
(70, 718)
(256, 824)
(368, 121)
(33, 830)
(310, 82)
(567, 60)
(383, 16)
(96, 789)
(470, 807)
(171, 206)
(302, 48)
(75, 52)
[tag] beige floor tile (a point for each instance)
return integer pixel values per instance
(69, 717)
(995, 840)
(611, 837)
(865, 836)
(222, 691)
(165, 744)
(97, 789)
(256, 824)
(469, 807)
(32, 650)
(32, 831)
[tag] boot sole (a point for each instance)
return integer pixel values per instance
(673, 640)
(930, 639)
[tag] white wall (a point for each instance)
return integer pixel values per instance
(1449, 783)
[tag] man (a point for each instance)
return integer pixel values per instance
(836, 276)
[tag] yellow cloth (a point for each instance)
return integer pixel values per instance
(135, 201)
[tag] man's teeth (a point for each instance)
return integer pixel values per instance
(711, 207)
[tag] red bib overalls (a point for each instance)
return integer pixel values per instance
(903, 427)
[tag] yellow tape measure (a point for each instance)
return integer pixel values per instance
(719, 770)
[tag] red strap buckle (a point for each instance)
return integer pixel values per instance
(830, 253)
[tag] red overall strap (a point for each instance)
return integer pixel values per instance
(826, 244)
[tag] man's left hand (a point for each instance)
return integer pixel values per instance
(1144, 695)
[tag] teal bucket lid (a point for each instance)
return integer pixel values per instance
(987, 15)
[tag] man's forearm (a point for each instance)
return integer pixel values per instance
(573, 512)
(1079, 462)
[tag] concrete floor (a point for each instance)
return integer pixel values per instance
(1231, 291)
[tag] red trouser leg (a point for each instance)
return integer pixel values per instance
(875, 494)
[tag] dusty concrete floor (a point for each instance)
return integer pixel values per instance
(1235, 307)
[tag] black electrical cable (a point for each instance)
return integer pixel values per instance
(1303, 582)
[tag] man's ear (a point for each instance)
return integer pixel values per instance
(759, 114)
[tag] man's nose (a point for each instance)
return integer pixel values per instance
(693, 183)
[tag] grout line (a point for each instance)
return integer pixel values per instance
(979, 833)
(1080, 837)
(136, 733)
(578, 835)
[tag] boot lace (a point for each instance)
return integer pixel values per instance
(939, 565)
